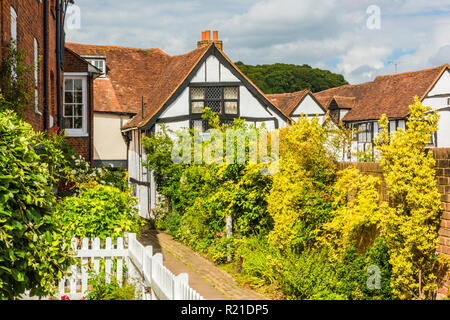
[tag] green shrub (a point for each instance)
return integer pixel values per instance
(33, 252)
(99, 211)
(69, 171)
(170, 222)
(252, 260)
(306, 276)
(354, 276)
(411, 220)
(110, 291)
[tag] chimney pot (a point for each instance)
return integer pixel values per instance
(206, 39)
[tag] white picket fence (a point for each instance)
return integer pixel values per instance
(147, 271)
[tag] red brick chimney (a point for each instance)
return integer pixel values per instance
(206, 39)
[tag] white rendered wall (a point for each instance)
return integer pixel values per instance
(440, 104)
(213, 71)
(180, 107)
(309, 107)
(174, 126)
(109, 143)
(442, 86)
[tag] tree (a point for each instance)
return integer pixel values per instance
(411, 220)
(282, 78)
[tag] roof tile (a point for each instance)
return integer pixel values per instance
(390, 95)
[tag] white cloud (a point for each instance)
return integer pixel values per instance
(330, 34)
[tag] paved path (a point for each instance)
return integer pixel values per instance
(210, 281)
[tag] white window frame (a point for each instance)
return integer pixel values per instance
(92, 61)
(13, 24)
(83, 131)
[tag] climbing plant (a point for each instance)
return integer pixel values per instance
(16, 78)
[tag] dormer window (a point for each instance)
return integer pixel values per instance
(99, 63)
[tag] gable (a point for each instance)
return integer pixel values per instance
(438, 97)
(213, 69)
(308, 106)
(442, 86)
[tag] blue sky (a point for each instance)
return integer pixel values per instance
(329, 34)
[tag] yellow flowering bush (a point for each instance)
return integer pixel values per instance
(300, 200)
(356, 223)
(411, 220)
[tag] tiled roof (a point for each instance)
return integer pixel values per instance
(105, 99)
(345, 102)
(149, 73)
(390, 95)
(287, 102)
(136, 73)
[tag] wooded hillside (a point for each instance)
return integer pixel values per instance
(282, 78)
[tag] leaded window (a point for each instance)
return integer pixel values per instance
(364, 132)
(221, 100)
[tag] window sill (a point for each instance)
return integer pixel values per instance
(77, 135)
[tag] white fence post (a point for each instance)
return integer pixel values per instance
(120, 262)
(73, 276)
(84, 267)
(147, 271)
(96, 260)
(108, 247)
(156, 279)
(182, 278)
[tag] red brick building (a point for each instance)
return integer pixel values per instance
(36, 27)
(78, 97)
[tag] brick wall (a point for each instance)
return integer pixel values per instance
(30, 26)
(74, 63)
(81, 146)
(442, 156)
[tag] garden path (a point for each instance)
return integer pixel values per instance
(208, 280)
